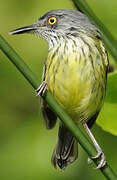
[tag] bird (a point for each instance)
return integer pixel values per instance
(75, 73)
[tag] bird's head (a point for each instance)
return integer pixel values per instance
(58, 24)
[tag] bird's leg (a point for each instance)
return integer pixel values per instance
(41, 89)
(98, 148)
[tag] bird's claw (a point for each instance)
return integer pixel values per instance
(41, 89)
(101, 155)
(102, 161)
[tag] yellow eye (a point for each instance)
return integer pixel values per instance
(52, 20)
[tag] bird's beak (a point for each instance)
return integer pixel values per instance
(26, 29)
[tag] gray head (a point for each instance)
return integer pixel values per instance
(59, 23)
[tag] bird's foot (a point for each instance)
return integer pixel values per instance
(101, 155)
(41, 89)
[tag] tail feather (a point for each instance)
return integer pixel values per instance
(66, 150)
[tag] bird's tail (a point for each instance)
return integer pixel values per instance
(66, 150)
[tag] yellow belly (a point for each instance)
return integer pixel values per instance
(75, 84)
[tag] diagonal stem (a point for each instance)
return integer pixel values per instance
(78, 134)
(108, 38)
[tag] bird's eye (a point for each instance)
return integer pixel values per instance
(52, 20)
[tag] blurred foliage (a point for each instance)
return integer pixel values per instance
(108, 116)
(25, 145)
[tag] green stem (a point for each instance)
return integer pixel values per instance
(78, 134)
(17, 61)
(108, 39)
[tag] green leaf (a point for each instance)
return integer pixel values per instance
(111, 95)
(108, 116)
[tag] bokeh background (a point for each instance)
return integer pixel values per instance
(25, 145)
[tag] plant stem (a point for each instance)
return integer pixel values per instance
(78, 134)
(108, 38)
(18, 62)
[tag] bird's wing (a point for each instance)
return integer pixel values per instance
(48, 115)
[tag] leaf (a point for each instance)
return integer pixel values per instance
(111, 95)
(108, 116)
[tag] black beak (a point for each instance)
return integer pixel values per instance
(22, 30)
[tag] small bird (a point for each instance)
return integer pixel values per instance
(75, 73)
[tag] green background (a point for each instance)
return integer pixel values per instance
(25, 145)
